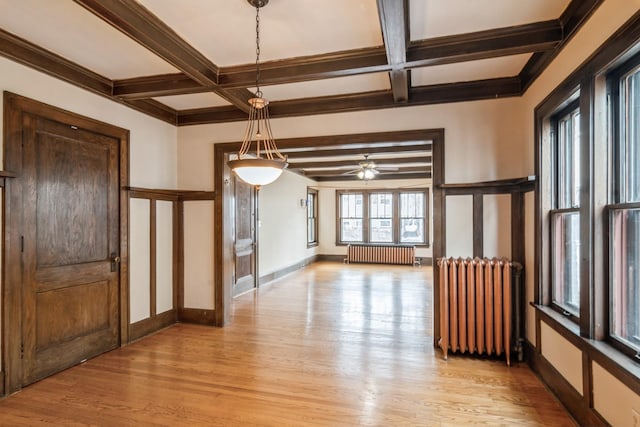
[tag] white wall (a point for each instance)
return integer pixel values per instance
(483, 141)
(152, 149)
(283, 223)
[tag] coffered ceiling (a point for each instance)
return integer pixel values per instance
(193, 61)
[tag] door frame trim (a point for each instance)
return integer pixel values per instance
(223, 241)
(14, 107)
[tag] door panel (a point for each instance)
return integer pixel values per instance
(245, 231)
(71, 216)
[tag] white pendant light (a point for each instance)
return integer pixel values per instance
(267, 164)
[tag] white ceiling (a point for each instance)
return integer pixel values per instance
(224, 32)
(64, 28)
(435, 18)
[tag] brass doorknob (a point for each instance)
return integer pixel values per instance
(115, 259)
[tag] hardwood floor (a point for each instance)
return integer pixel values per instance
(329, 345)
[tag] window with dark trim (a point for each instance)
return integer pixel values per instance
(565, 215)
(383, 216)
(312, 217)
(623, 214)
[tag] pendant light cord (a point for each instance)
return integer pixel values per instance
(258, 91)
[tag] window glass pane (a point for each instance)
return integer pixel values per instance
(566, 261)
(625, 276)
(629, 150)
(381, 205)
(568, 161)
(381, 217)
(412, 218)
(412, 230)
(351, 221)
(351, 230)
(381, 230)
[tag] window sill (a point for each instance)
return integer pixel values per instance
(418, 246)
(615, 362)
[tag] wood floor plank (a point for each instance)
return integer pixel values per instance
(329, 345)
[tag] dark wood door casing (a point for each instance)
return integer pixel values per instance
(57, 157)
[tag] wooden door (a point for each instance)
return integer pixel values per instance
(245, 237)
(70, 288)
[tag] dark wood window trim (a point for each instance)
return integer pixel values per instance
(316, 220)
(4, 175)
(590, 334)
(395, 218)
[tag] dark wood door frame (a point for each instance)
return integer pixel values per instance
(223, 241)
(14, 108)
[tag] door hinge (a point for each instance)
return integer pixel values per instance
(21, 351)
(21, 243)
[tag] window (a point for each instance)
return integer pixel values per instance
(312, 217)
(624, 212)
(351, 217)
(412, 217)
(565, 217)
(383, 216)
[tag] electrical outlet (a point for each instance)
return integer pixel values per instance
(635, 415)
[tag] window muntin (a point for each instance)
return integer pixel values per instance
(383, 216)
(312, 217)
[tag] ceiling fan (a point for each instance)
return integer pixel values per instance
(368, 169)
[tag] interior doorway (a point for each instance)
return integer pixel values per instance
(429, 142)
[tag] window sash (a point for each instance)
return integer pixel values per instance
(629, 138)
(312, 217)
(565, 260)
(624, 275)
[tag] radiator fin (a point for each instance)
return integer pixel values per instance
(475, 306)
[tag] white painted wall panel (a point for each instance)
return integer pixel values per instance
(563, 355)
(139, 259)
(198, 259)
(497, 225)
(612, 399)
(164, 256)
(459, 233)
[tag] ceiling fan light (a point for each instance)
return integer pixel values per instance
(368, 174)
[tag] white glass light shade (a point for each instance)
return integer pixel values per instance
(366, 174)
(257, 171)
